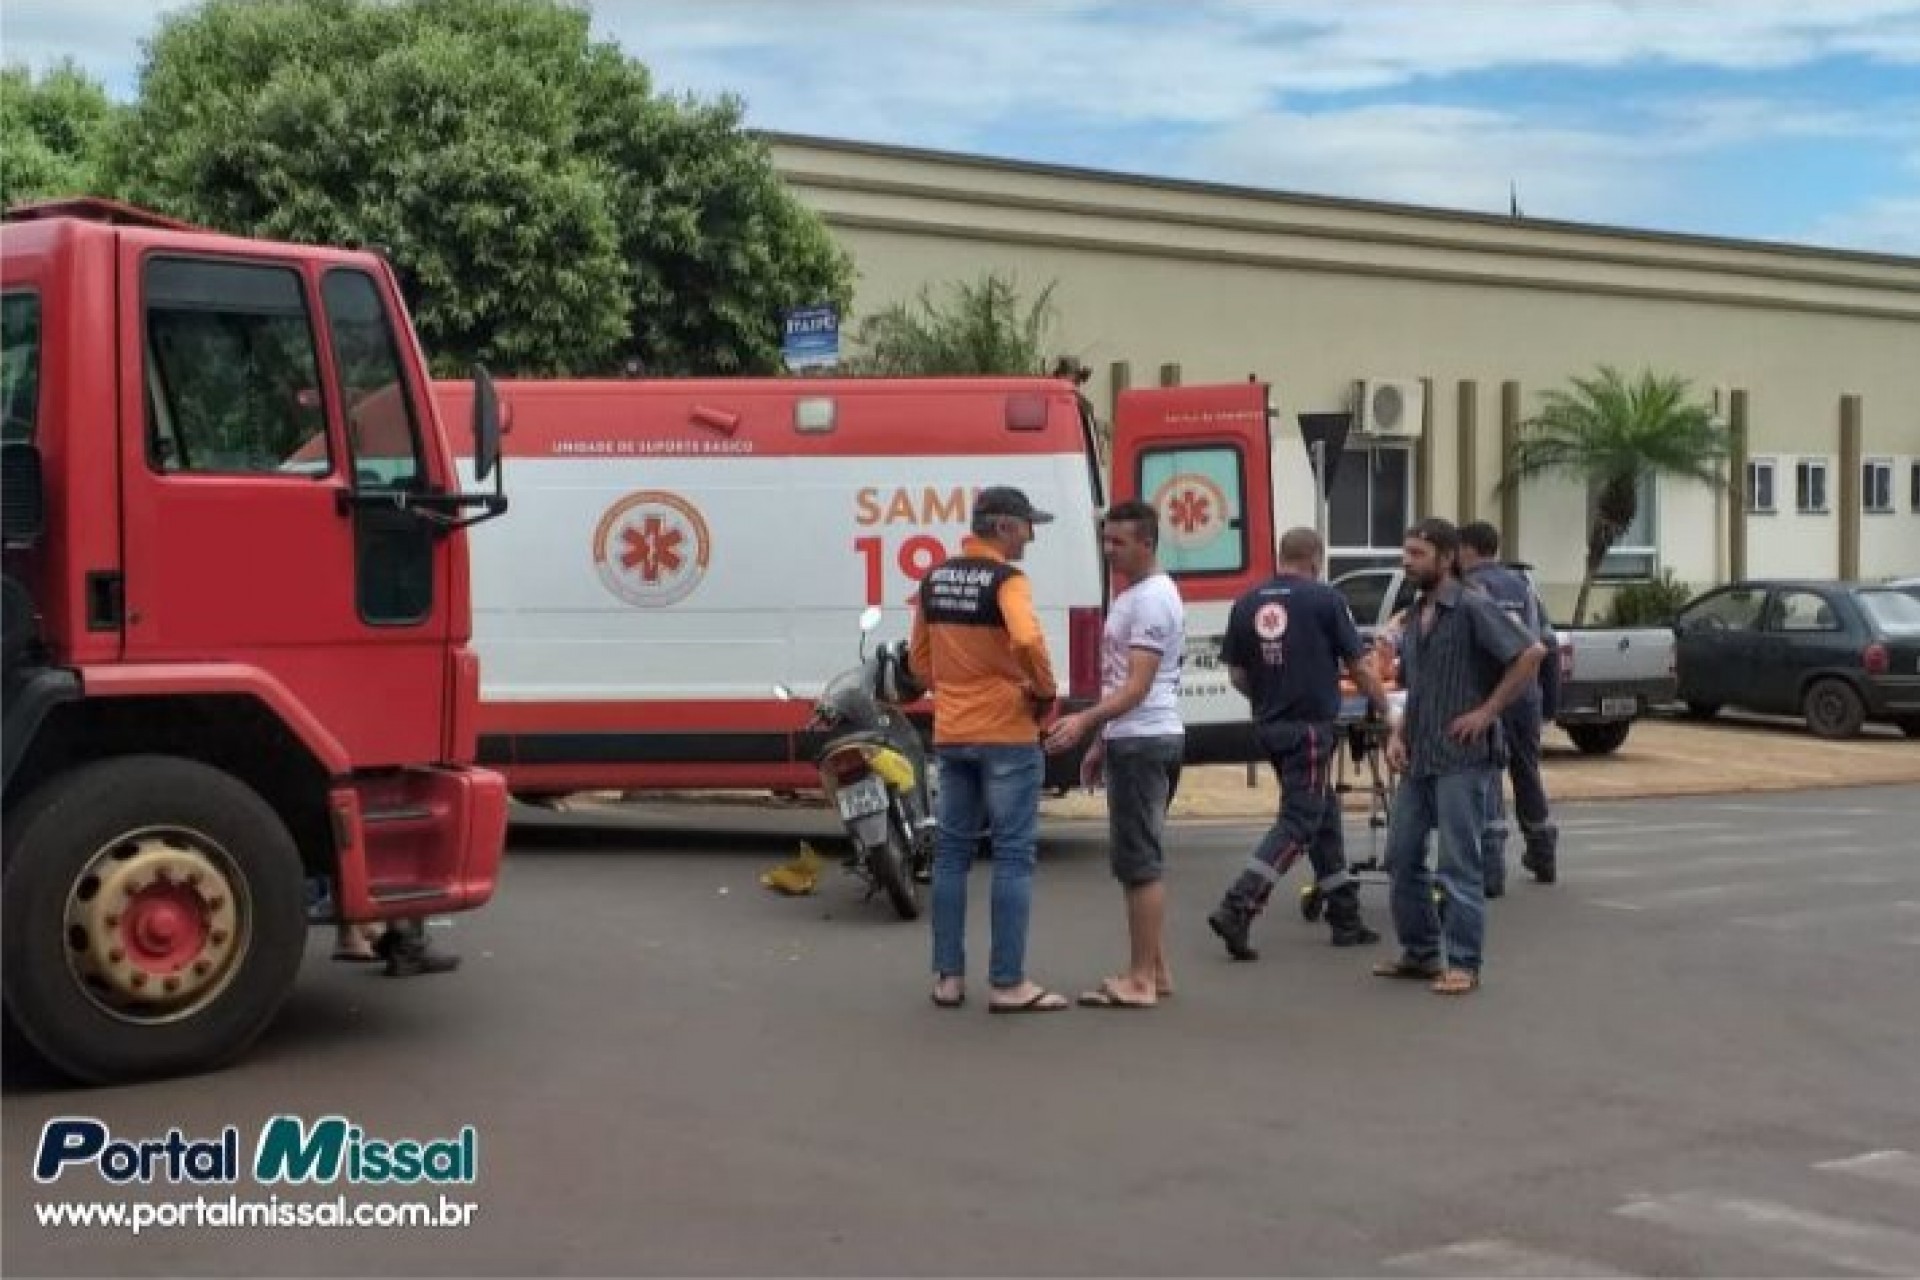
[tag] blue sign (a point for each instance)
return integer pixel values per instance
(812, 338)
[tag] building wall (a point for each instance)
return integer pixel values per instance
(1312, 295)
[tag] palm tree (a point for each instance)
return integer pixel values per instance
(980, 327)
(1609, 432)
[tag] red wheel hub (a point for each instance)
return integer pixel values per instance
(163, 929)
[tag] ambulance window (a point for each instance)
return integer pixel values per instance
(232, 381)
(373, 391)
(1199, 492)
(20, 364)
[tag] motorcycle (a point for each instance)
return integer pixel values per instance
(873, 768)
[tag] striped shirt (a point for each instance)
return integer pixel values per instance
(1451, 668)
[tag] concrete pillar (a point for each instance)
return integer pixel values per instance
(1737, 505)
(1170, 375)
(1468, 427)
(1510, 496)
(1850, 495)
(1423, 451)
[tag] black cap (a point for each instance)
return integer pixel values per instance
(1001, 500)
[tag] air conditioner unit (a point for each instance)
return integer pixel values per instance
(1390, 408)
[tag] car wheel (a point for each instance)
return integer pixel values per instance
(1833, 708)
(1703, 710)
(1599, 739)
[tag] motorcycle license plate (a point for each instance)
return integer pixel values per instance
(1619, 706)
(862, 799)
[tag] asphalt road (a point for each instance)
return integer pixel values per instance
(1699, 1055)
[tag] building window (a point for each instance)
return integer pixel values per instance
(1369, 508)
(1810, 486)
(1635, 553)
(1760, 486)
(1876, 485)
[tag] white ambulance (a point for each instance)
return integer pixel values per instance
(677, 548)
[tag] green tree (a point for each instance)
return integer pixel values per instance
(1607, 433)
(977, 327)
(54, 130)
(545, 210)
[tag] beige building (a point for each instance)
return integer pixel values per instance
(1461, 320)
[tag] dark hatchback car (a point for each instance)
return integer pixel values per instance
(1838, 653)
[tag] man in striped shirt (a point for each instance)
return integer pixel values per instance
(1466, 660)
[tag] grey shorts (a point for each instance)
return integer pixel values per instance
(1142, 775)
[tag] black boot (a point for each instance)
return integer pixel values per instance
(1542, 854)
(405, 949)
(1234, 925)
(1343, 918)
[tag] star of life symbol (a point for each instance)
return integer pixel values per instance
(1193, 509)
(1270, 621)
(651, 548)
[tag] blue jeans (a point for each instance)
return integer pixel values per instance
(1456, 805)
(994, 789)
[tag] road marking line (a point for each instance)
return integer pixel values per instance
(1832, 1242)
(1815, 838)
(1681, 864)
(1901, 1168)
(1495, 1258)
(1814, 915)
(1716, 892)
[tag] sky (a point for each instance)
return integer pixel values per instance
(1789, 120)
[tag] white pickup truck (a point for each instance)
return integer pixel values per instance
(1609, 676)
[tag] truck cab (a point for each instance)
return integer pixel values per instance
(237, 626)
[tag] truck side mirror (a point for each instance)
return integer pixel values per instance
(486, 424)
(23, 494)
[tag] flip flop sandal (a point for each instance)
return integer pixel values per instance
(1405, 968)
(948, 1002)
(1108, 996)
(1043, 1001)
(347, 956)
(1455, 982)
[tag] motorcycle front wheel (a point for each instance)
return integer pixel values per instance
(890, 865)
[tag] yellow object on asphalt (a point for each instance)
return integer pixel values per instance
(798, 877)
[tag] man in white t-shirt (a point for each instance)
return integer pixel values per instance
(1139, 743)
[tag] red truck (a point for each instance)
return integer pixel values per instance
(236, 655)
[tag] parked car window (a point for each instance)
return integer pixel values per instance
(1365, 592)
(1736, 610)
(1803, 611)
(1893, 612)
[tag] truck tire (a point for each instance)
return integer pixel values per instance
(1833, 708)
(1909, 725)
(154, 918)
(1702, 710)
(1599, 739)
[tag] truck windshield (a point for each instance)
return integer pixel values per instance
(19, 364)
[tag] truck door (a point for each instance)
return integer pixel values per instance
(1201, 457)
(268, 434)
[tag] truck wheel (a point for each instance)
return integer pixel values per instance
(1702, 710)
(1909, 725)
(1833, 708)
(1599, 739)
(155, 918)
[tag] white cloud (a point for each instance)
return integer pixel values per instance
(103, 36)
(1888, 225)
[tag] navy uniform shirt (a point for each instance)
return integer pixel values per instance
(1290, 636)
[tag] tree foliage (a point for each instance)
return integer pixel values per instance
(977, 327)
(53, 131)
(546, 211)
(1607, 433)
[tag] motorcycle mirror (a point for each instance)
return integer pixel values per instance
(783, 693)
(870, 618)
